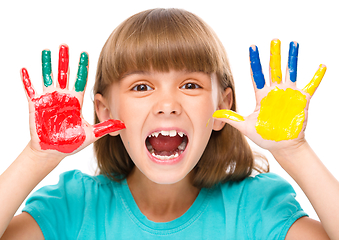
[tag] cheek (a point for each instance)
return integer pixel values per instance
(204, 107)
(132, 112)
(133, 115)
(200, 112)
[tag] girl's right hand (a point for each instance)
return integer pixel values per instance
(56, 122)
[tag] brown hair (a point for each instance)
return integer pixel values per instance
(165, 39)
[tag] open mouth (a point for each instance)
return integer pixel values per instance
(166, 145)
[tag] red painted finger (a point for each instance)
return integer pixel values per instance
(108, 126)
(63, 66)
(27, 83)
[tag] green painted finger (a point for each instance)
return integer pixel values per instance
(81, 80)
(46, 67)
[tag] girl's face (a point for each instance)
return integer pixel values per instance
(168, 118)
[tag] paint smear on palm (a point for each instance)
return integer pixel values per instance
(275, 61)
(281, 114)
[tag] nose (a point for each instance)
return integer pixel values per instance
(167, 105)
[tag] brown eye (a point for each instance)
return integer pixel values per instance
(141, 88)
(190, 86)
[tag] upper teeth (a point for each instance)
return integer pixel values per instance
(171, 133)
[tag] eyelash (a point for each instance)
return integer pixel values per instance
(196, 86)
(148, 88)
(135, 88)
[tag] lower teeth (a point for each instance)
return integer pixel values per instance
(165, 157)
(182, 146)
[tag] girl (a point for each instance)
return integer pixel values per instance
(168, 169)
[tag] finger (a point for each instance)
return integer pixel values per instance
(234, 119)
(229, 114)
(275, 62)
(256, 69)
(106, 127)
(46, 68)
(27, 83)
(312, 86)
(63, 67)
(81, 80)
(292, 64)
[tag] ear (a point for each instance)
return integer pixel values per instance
(226, 102)
(102, 110)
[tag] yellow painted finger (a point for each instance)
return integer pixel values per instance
(229, 114)
(314, 83)
(275, 61)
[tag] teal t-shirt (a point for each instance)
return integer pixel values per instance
(94, 207)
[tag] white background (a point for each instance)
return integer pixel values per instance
(27, 27)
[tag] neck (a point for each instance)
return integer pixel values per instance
(161, 202)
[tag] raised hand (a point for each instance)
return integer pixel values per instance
(56, 122)
(281, 111)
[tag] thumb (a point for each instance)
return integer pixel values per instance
(107, 126)
(228, 116)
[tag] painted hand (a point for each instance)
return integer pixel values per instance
(56, 122)
(281, 111)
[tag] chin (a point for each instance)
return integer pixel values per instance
(166, 179)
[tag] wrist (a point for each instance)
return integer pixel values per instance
(298, 160)
(291, 152)
(42, 159)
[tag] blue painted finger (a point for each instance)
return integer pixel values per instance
(293, 61)
(258, 76)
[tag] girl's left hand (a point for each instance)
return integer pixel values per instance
(281, 112)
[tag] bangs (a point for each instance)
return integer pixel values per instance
(162, 40)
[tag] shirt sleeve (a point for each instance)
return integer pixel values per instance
(271, 207)
(58, 209)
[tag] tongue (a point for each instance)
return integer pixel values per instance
(165, 143)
